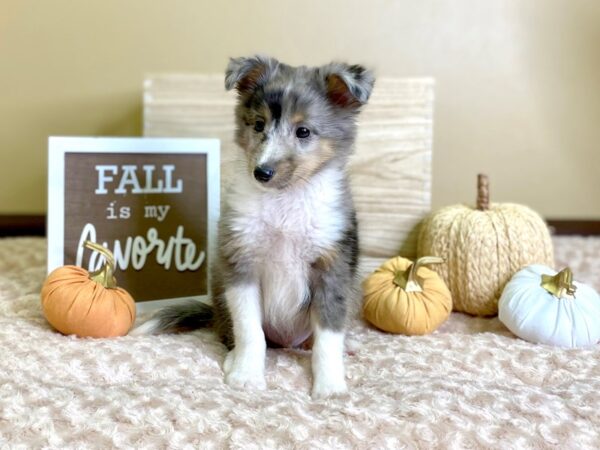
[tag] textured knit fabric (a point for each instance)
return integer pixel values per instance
(471, 384)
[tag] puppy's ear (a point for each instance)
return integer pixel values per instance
(246, 74)
(347, 86)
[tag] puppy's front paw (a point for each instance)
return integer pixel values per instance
(324, 387)
(240, 374)
(242, 378)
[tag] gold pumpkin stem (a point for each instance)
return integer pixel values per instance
(407, 279)
(483, 192)
(560, 284)
(104, 275)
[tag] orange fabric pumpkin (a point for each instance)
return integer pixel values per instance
(405, 297)
(86, 304)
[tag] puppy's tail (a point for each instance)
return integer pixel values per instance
(187, 316)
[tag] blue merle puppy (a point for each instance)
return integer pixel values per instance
(288, 244)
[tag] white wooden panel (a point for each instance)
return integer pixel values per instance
(390, 170)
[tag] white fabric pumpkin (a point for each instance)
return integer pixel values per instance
(562, 312)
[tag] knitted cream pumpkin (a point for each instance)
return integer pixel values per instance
(483, 248)
(86, 304)
(540, 305)
(405, 297)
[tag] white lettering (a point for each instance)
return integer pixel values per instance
(111, 211)
(162, 212)
(169, 189)
(129, 180)
(158, 212)
(129, 177)
(148, 189)
(122, 258)
(103, 178)
(177, 250)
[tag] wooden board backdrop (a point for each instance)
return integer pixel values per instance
(390, 170)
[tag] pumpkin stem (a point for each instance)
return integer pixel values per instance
(483, 192)
(407, 279)
(560, 284)
(104, 275)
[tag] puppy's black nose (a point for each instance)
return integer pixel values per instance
(263, 173)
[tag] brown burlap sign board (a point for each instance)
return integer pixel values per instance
(390, 170)
(153, 202)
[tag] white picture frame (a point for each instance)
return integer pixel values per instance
(60, 147)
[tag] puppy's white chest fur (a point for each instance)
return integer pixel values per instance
(282, 233)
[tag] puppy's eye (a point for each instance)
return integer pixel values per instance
(259, 126)
(302, 133)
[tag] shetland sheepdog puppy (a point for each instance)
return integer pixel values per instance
(287, 246)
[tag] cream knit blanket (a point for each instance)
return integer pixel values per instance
(469, 385)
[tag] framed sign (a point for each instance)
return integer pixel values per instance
(154, 202)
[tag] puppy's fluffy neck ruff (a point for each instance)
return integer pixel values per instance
(283, 231)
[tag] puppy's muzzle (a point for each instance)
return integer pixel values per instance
(263, 174)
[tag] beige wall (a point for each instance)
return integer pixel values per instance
(518, 82)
